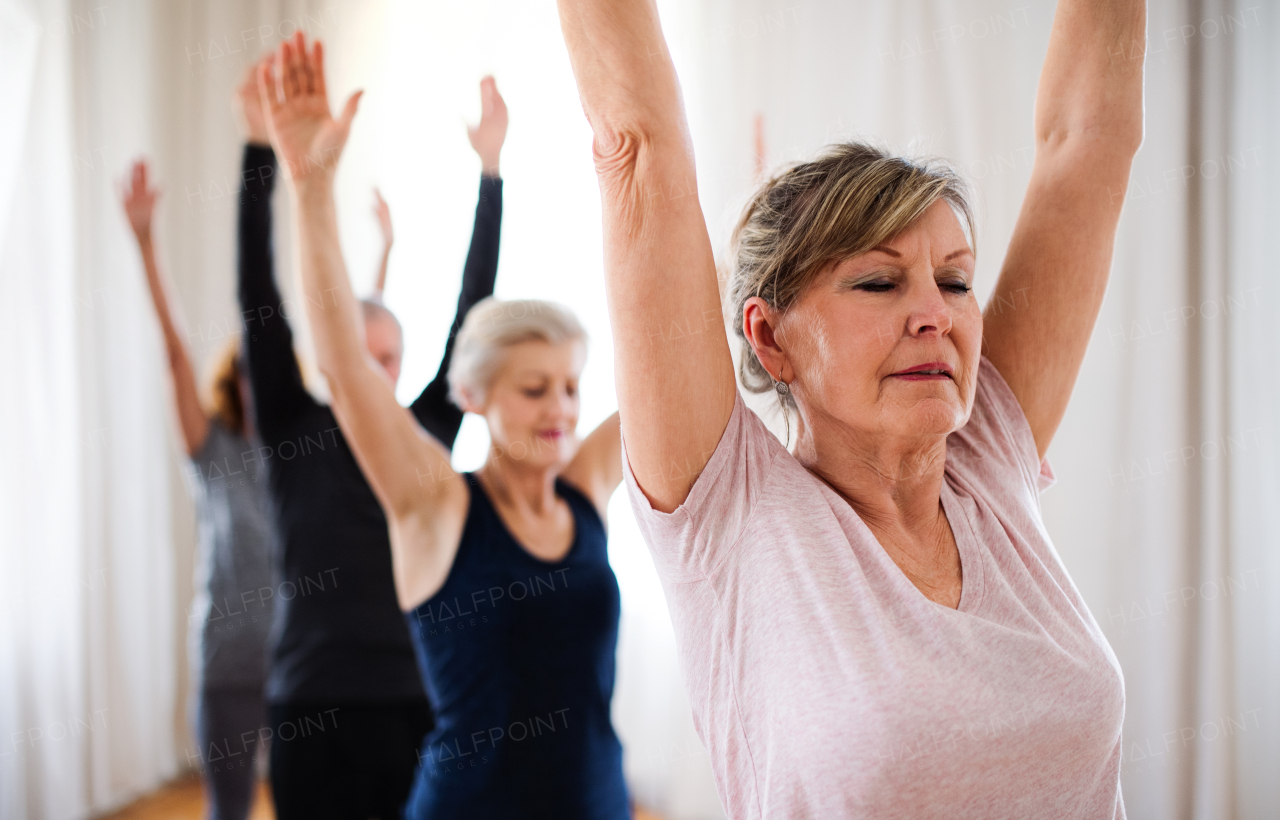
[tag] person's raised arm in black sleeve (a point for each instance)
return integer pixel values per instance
(435, 412)
(278, 390)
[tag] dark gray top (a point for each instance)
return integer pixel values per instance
(235, 595)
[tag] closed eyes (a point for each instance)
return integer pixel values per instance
(958, 286)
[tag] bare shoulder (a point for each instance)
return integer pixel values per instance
(599, 499)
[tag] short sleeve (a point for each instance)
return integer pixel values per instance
(1046, 477)
(997, 441)
(688, 543)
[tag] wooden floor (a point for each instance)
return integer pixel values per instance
(184, 800)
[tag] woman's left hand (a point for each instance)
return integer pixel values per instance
(383, 212)
(307, 139)
(487, 137)
(139, 200)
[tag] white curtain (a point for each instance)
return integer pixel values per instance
(96, 525)
(87, 634)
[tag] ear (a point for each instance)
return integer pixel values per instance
(760, 324)
(469, 403)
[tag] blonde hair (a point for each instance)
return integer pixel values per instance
(224, 401)
(843, 203)
(492, 326)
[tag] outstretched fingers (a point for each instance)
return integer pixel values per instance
(317, 64)
(491, 102)
(306, 78)
(487, 89)
(349, 111)
(304, 131)
(302, 70)
(291, 69)
(138, 197)
(268, 87)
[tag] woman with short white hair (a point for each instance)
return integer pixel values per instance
(504, 572)
(875, 623)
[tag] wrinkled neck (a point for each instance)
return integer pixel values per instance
(894, 481)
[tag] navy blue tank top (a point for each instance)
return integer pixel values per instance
(518, 658)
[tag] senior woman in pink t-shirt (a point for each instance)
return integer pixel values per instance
(876, 623)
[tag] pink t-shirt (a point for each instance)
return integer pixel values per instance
(825, 684)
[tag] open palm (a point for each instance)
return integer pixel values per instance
(248, 106)
(306, 138)
(383, 212)
(487, 137)
(139, 199)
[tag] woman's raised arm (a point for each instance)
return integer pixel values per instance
(139, 199)
(382, 211)
(424, 499)
(1088, 126)
(674, 373)
(596, 469)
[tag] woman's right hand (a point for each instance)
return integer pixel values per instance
(139, 200)
(139, 196)
(383, 212)
(487, 137)
(247, 104)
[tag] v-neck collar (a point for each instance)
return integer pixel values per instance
(972, 573)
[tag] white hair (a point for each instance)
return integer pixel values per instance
(494, 325)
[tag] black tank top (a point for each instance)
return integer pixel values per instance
(518, 658)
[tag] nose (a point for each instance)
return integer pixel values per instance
(562, 404)
(929, 311)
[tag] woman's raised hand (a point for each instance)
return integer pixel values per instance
(306, 137)
(247, 104)
(487, 137)
(139, 200)
(139, 196)
(383, 213)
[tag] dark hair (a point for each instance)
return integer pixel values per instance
(225, 402)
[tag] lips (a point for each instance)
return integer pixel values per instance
(928, 370)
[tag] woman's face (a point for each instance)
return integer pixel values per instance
(886, 344)
(532, 405)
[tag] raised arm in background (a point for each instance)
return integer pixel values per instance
(1088, 126)
(279, 394)
(675, 378)
(383, 213)
(435, 412)
(424, 499)
(139, 200)
(596, 469)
